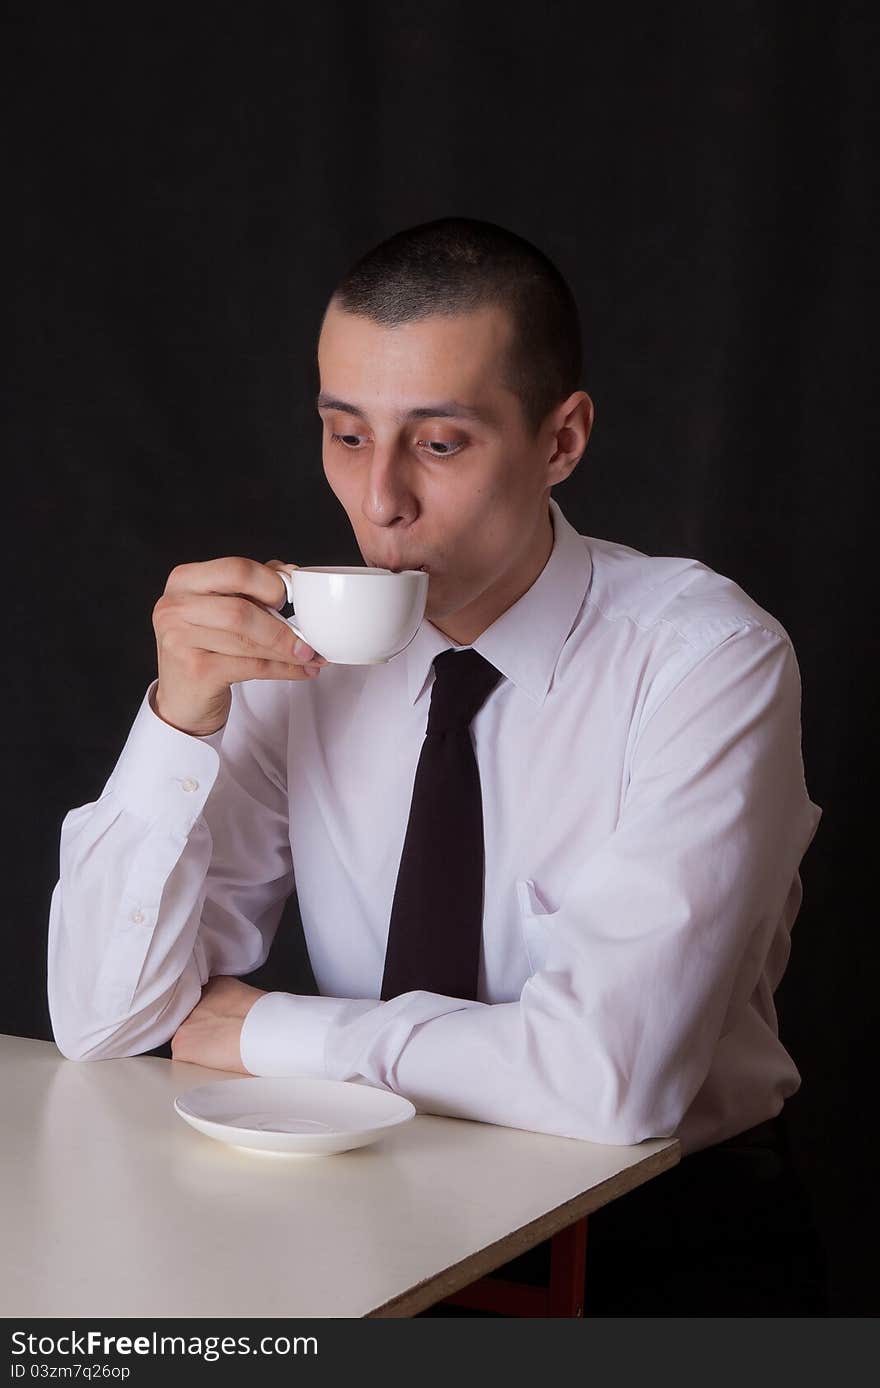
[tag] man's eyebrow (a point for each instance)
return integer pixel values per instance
(443, 409)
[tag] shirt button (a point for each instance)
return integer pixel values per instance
(138, 917)
(189, 785)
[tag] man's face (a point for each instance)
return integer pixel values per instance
(462, 495)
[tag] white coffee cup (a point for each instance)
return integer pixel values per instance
(355, 616)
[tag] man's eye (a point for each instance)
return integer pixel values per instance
(440, 443)
(350, 440)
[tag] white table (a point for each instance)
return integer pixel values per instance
(113, 1206)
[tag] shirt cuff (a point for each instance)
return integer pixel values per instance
(165, 774)
(286, 1033)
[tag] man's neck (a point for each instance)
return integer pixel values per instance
(465, 626)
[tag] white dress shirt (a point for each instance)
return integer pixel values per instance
(645, 815)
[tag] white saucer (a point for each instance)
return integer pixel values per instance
(299, 1114)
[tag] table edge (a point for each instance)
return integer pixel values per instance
(495, 1255)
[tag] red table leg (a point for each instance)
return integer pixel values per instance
(563, 1297)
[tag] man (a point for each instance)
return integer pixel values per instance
(619, 909)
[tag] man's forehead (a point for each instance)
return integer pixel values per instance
(432, 367)
(466, 337)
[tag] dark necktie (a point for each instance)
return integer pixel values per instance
(437, 915)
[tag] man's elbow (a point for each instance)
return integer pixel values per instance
(87, 1029)
(616, 1116)
(609, 1130)
(74, 1053)
(105, 1038)
(74, 1047)
(625, 1132)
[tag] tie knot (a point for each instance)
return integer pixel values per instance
(463, 682)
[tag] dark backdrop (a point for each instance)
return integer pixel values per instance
(179, 203)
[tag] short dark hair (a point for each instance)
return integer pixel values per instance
(459, 265)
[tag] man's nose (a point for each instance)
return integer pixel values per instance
(387, 495)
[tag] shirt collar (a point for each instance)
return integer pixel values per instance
(525, 642)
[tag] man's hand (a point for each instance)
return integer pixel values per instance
(211, 1034)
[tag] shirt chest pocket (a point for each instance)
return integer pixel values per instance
(536, 923)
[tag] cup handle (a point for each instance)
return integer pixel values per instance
(286, 579)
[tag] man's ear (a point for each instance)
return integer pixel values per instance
(574, 426)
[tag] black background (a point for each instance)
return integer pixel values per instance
(183, 188)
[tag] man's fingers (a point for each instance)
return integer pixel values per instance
(241, 627)
(228, 576)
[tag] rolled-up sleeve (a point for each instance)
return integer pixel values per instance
(663, 931)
